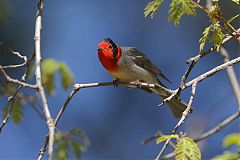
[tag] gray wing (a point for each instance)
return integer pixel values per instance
(141, 60)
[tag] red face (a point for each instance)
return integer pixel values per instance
(105, 49)
(109, 55)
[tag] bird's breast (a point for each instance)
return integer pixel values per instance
(108, 62)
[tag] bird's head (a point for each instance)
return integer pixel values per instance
(109, 54)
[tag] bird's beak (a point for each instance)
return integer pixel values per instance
(99, 49)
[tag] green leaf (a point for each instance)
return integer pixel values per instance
(165, 137)
(80, 134)
(74, 139)
(233, 18)
(204, 38)
(66, 76)
(236, 1)
(178, 8)
(17, 112)
(232, 139)
(227, 156)
(152, 8)
(217, 38)
(187, 149)
(49, 68)
(62, 150)
(76, 147)
(58, 137)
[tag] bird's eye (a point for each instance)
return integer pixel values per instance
(110, 46)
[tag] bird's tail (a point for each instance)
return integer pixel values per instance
(176, 105)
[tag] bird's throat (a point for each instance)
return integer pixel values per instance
(108, 60)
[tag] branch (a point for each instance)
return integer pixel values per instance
(232, 76)
(211, 72)
(193, 61)
(14, 65)
(218, 127)
(16, 81)
(37, 39)
(43, 149)
(77, 87)
(184, 116)
(2, 45)
(13, 97)
(210, 50)
(212, 131)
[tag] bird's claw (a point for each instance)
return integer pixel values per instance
(137, 84)
(115, 83)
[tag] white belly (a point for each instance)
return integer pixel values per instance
(134, 73)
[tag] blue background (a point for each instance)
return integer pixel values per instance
(116, 120)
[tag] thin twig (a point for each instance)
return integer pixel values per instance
(76, 88)
(5, 120)
(14, 66)
(211, 72)
(218, 127)
(2, 45)
(16, 81)
(212, 131)
(37, 39)
(210, 50)
(207, 74)
(43, 149)
(158, 134)
(13, 97)
(232, 76)
(220, 17)
(184, 116)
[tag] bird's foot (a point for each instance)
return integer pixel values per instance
(115, 83)
(137, 84)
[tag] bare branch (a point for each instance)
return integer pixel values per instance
(192, 83)
(16, 81)
(37, 39)
(14, 65)
(158, 134)
(5, 120)
(212, 131)
(210, 50)
(218, 127)
(184, 116)
(13, 97)
(232, 76)
(211, 72)
(43, 149)
(2, 45)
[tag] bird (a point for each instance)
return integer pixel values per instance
(127, 64)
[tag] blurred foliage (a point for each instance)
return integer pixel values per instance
(165, 137)
(186, 148)
(3, 11)
(236, 1)
(49, 68)
(74, 140)
(230, 140)
(215, 33)
(17, 112)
